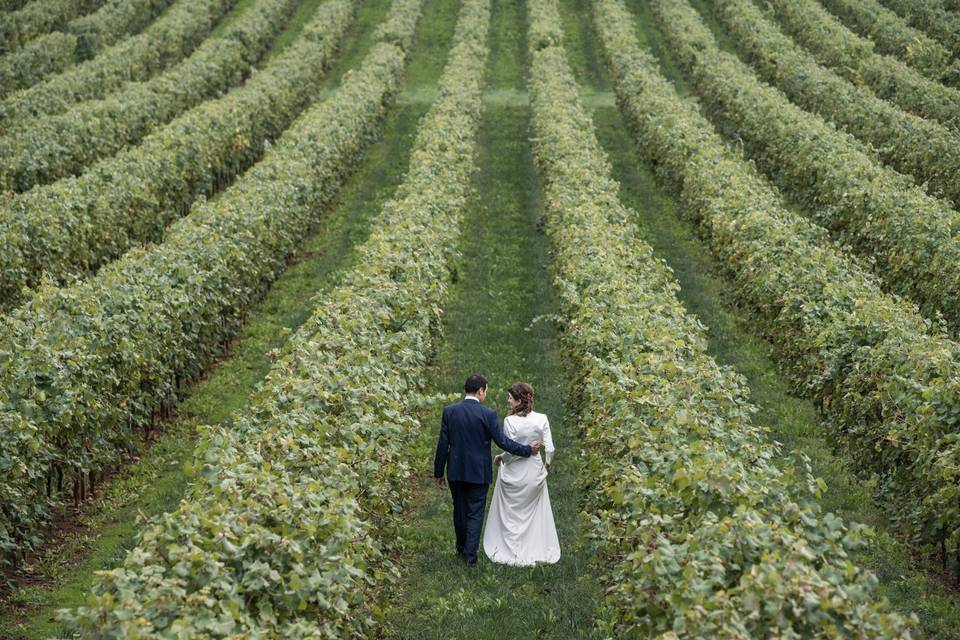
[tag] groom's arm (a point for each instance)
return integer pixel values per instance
(496, 434)
(443, 447)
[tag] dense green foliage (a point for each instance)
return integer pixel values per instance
(922, 148)
(47, 148)
(39, 17)
(735, 336)
(99, 537)
(400, 24)
(81, 39)
(492, 324)
(288, 528)
(77, 224)
(170, 38)
(97, 359)
(12, 5)
(933, 17)
(544, 26)
(294, 518)
(111, 22)
(886, 380)
(893, 36)
(853, 57)
(47, 54)
(698, 531)
(910, 237)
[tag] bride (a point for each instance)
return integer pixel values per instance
(520, 529)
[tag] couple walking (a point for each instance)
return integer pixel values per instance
(520, 529)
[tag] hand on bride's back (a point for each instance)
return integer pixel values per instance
(535, 447)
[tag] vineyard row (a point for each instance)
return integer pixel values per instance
(932, 17)
(48, 148)
(892, 35)
(173, 36)
(853, 57)
(910, 237)
(887, 381)
(681, 489)
(102, 357)
(81, 39)
(924, 149)
(75, 225)
(294, 517)
(39, 17)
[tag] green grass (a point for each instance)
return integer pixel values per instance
(230, 17)
(793, 421)
(156, 483)
(434, 37)
(503, 284)
(301, 16)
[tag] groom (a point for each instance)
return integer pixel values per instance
(466, 430)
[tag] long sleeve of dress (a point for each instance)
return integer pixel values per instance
(507, 444)
(547, 440)
(506, 456)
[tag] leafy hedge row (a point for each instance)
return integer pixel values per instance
(81, 39)
(887, 381)
(544, 25)
(44, 56)
(12, 5)
(922, 148)
(893, 36)
(39, 17)
(400, 25)
(699, 533)
(170, 38)
(853, 57)
(98, 359)
(47, 148)
(288, 528)
(913, 239)
(75, 225)
(931, 16)
(113, 21)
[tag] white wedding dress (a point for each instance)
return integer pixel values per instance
(520, 529)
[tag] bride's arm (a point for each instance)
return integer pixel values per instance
(506, 457)
(547, 440)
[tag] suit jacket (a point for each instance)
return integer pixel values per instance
(466, 430)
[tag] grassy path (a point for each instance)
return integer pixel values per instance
(792, 421)
(61, 577)
(503, 284)
(229, 18)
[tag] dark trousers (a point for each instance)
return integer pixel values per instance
(469, 499)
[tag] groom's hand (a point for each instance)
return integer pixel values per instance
(440, 482)
(535, 447)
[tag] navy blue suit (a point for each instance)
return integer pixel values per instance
(466, 430)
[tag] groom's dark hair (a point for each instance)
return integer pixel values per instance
(474, 383)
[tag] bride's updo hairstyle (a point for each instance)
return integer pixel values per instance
(522, 393)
